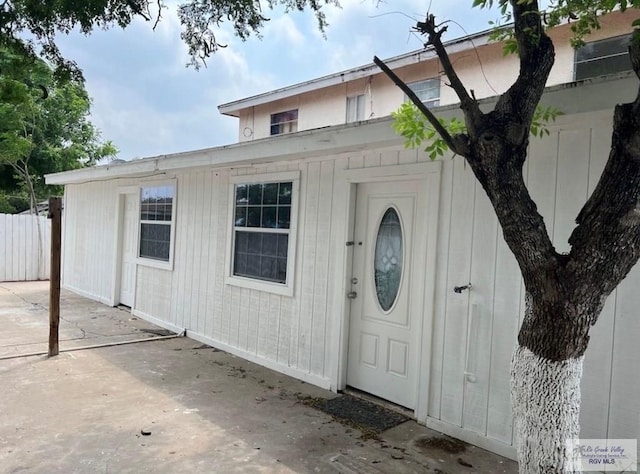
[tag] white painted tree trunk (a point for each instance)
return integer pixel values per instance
(546, 406)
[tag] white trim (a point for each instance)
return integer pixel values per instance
(346, 181)
(157, 321)
(376, 133)
(256, 284)
(87, 294)
(149, 262)
(128, 189)
(265, 177)
(116, 266)
(344, 192)
(471, 437)
(432, 226)
(391, 172)
(268, 363)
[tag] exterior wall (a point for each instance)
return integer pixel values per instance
(561, 173)
(297, 335)
(88, 236)
(484, 69)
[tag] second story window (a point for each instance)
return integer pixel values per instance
(355, 108)
(602, 57)
(428, 91)
(284, 122)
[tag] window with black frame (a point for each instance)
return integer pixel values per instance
(262, 221)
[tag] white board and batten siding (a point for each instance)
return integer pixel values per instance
(25, 247)
(473, 333)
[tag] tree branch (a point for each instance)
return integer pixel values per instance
(606, 243)
(456, 144)
(430, 30)
(537, 56)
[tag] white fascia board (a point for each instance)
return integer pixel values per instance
(455, 46)
(305, 144)
(572, 98)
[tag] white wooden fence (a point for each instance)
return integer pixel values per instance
(25, 247)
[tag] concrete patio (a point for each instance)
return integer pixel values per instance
(174, 405)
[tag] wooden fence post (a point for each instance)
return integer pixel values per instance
(55, 214)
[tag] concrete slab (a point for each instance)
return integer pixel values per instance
(174, 406)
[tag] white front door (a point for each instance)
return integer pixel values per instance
(387, 291)
(129, 250)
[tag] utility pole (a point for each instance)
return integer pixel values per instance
(55, 214)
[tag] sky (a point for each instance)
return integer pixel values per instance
(148, 103)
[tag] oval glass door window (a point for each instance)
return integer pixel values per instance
(388, 259)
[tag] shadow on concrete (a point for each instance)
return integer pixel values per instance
(204, 410)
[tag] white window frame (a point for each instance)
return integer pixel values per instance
(355, 108)
(287, 125)
(285, 289)
(429, 102)
(150, 262)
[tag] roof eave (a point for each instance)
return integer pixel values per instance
(454, 46)
(603, 92)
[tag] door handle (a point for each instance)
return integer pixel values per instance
(352, 295)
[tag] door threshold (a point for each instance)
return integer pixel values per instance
(354, 392)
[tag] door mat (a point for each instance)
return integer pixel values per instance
(370, 418)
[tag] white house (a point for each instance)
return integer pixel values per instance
(331, 253)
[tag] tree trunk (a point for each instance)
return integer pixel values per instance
(545, 395)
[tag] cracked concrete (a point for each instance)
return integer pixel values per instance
(175, 406)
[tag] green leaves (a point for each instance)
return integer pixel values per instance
(541, 118)
(582, 15)
(412, 125)
(44, 124)
(41, 20)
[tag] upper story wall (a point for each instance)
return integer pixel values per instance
(484, 69)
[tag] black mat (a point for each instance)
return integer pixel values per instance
(359, 413)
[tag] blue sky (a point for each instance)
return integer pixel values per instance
(148, 103)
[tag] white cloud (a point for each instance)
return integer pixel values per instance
(148, 103)
(283, 29)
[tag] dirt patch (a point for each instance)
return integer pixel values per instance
(446, 444)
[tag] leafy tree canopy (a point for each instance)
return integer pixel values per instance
(41, 20)
(44, 128)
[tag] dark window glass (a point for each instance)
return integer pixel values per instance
(603, 66)
(264, 257)
(257, 254)
(270, 244)
(269, 217)
(253, 216)
(270, 193)
(155, 241)
(241, 216)
(284, 122)
(241, 194)
(603, 57)
(284, 195)
(284, 217)
(156, 205)
(255, 243)
(255, 194)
